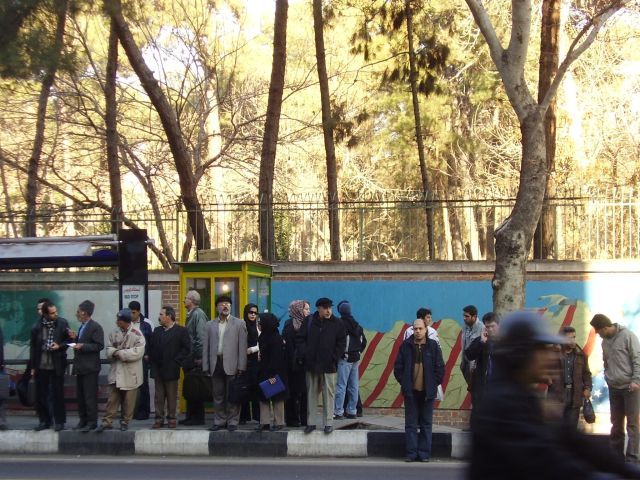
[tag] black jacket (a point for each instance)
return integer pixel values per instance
(510, 439)
(87, 359)
(60, 336)
(432, 364)
(325, 343)
(482, 354)
(1, 349)
(356, 341)
(272, 357)
(295, 345)
(168, 349)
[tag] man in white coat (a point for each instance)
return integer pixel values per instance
(125, 350)
(224, 355)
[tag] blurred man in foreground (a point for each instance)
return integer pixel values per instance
(511, 437)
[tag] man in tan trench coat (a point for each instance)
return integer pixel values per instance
(125, 350)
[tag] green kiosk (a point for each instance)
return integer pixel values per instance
(243, 281)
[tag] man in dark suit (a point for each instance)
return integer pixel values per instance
(86, 365)
(170, 346)
(48, 360)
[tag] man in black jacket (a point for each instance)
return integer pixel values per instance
(511, 438)
(170, 346)
(325, 344)
(138, 320)
(419, 369)
(48, 360)
(480, 351)
(89, 342)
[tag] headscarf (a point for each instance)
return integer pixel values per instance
(296, 312)
(252, 326)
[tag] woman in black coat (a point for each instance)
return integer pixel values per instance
(250, 410)
(294, 334)
(272, 362)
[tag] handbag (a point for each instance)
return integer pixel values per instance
(271, 390)
(197, 387)
(587, 411)
(239, 389)
(26, 388)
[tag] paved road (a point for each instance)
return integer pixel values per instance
(157, 468)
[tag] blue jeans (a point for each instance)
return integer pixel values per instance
(347, 381)
(418, 414)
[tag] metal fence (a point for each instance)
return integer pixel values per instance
(588, 225)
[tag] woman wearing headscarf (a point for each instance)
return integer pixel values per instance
(271, 364)
(294, 334)
(250, 410)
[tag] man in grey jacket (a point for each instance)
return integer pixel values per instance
(224, 355)
(621, 355)
(196, 326)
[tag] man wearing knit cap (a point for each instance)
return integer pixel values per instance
(326, 342)
(89, 342)
(621, 355)
(348, 364)
(125, 350)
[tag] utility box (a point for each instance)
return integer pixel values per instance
(243, 281)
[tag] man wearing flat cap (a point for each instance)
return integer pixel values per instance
(621, 355)
(224, 355)
(326, 340)
(125, 350)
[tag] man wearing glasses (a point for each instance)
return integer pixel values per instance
(224, 355)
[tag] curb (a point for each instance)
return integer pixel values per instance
(341, 443)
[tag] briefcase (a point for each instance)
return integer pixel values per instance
(271, 390)
(197, 386)
(239, 389)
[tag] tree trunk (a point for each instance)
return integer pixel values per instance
(424, 171)
(10, 227)
(31, 195)
(170, 125)
(271, 128)
(514, 236)
(543, 246)
(111, 126)
(327, 129)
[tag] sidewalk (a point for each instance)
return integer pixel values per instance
(368, 436)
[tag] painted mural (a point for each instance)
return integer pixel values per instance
(386, 308)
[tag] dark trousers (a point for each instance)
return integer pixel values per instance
(295, 409)
(87, 391)
(418, 421)
(250, 410)
(195, 411)
(50, 386)
(624, 404)
(143, 408)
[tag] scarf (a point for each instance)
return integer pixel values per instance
(50, 326)
(296, 311)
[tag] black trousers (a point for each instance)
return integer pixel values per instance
(50, 387)
(87, 390)
(143, 408)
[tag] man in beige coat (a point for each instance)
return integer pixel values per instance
(125, 350)
(224, 355)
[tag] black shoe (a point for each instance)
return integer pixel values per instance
(276, 428)
(103, 427)
(42, 426)
(351, 416)
(359, 414)
(80, 426)
(183, 421)
(328, 429)
(232, 428)
(338, 417)
(409, 459)
(423, 460)
(88, 428)
(141, 417)
(261, 427)
(309, 428)
(216, 428)
(124, 427)
(59, 427)
(3, 427)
